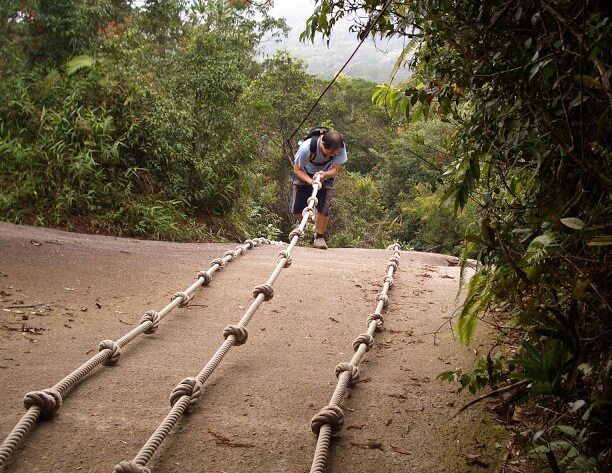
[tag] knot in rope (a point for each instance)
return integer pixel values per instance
(297, 232)
(314, 200)
(388, 279)
(394, 247)
(285, 254)
(384, 298)
(393, 262)
(263, 240)
(239, 332)
(331, 415)
(231, 254)
(219, 262)
(365, 339)
(310, 212)
(49, 400)
(114, 349)
(184, 296)
(130, 467)
(251, 243)
(264, 289)
(380, 320)
(188, 387)
(352, 369)
(240, 249)
(154, 318)
(207, 278)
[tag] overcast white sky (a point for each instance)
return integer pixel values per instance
(341, 45)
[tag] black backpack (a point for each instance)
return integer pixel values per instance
(316, 134)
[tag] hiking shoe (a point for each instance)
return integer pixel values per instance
(319, 243)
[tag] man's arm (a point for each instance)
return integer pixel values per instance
(301, 174)
(331, 172)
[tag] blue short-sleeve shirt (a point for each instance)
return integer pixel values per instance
(321, 161)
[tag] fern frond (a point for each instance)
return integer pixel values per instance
(77, 63)
(477, 301)
(408, 49)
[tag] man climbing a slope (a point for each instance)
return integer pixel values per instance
(322, 152)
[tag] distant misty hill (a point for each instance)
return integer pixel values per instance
(373, 62)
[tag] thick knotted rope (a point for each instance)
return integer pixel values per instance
(189, 387)
(330, 418)
(378, 318)
(114, 348)
(331, 415)
(219, 262)
(50, 400)
(351, 369)
(234, 335)
(240, 334)
(309, 213)
(296, 232)
(287, 256)
(153, 318)
(184, 298)
(130, 467)
(384, 298)
(231, 254)
(207, 278)
(393, 263)
(265, 289)
(363, 339)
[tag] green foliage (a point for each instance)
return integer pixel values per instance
(408, 175)
(359, 217)
(526, 88)
(489, 372)
(156, 220)
(367, 129)
(123, 134)
(426, 225)
(48, 33)
(569, 440)
(477, 301)
(277, 97)
(52, 170)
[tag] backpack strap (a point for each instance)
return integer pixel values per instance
(314, 143)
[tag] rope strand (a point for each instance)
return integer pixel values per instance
(234, 335)
(50, 400)
(331, 417)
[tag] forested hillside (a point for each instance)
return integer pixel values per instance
(374, 60)
(161, 120)
(525, 87)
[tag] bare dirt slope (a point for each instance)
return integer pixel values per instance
(63, 293)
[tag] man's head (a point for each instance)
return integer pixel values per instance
(331, 143)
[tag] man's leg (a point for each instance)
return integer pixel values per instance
(325, 197)
(298, 201)
(321, 224)
(320, 227)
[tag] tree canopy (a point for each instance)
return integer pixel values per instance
(162, 120)
(526, 87)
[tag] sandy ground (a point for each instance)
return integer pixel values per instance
(62, 293)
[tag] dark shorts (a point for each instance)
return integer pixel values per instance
(301, 193)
